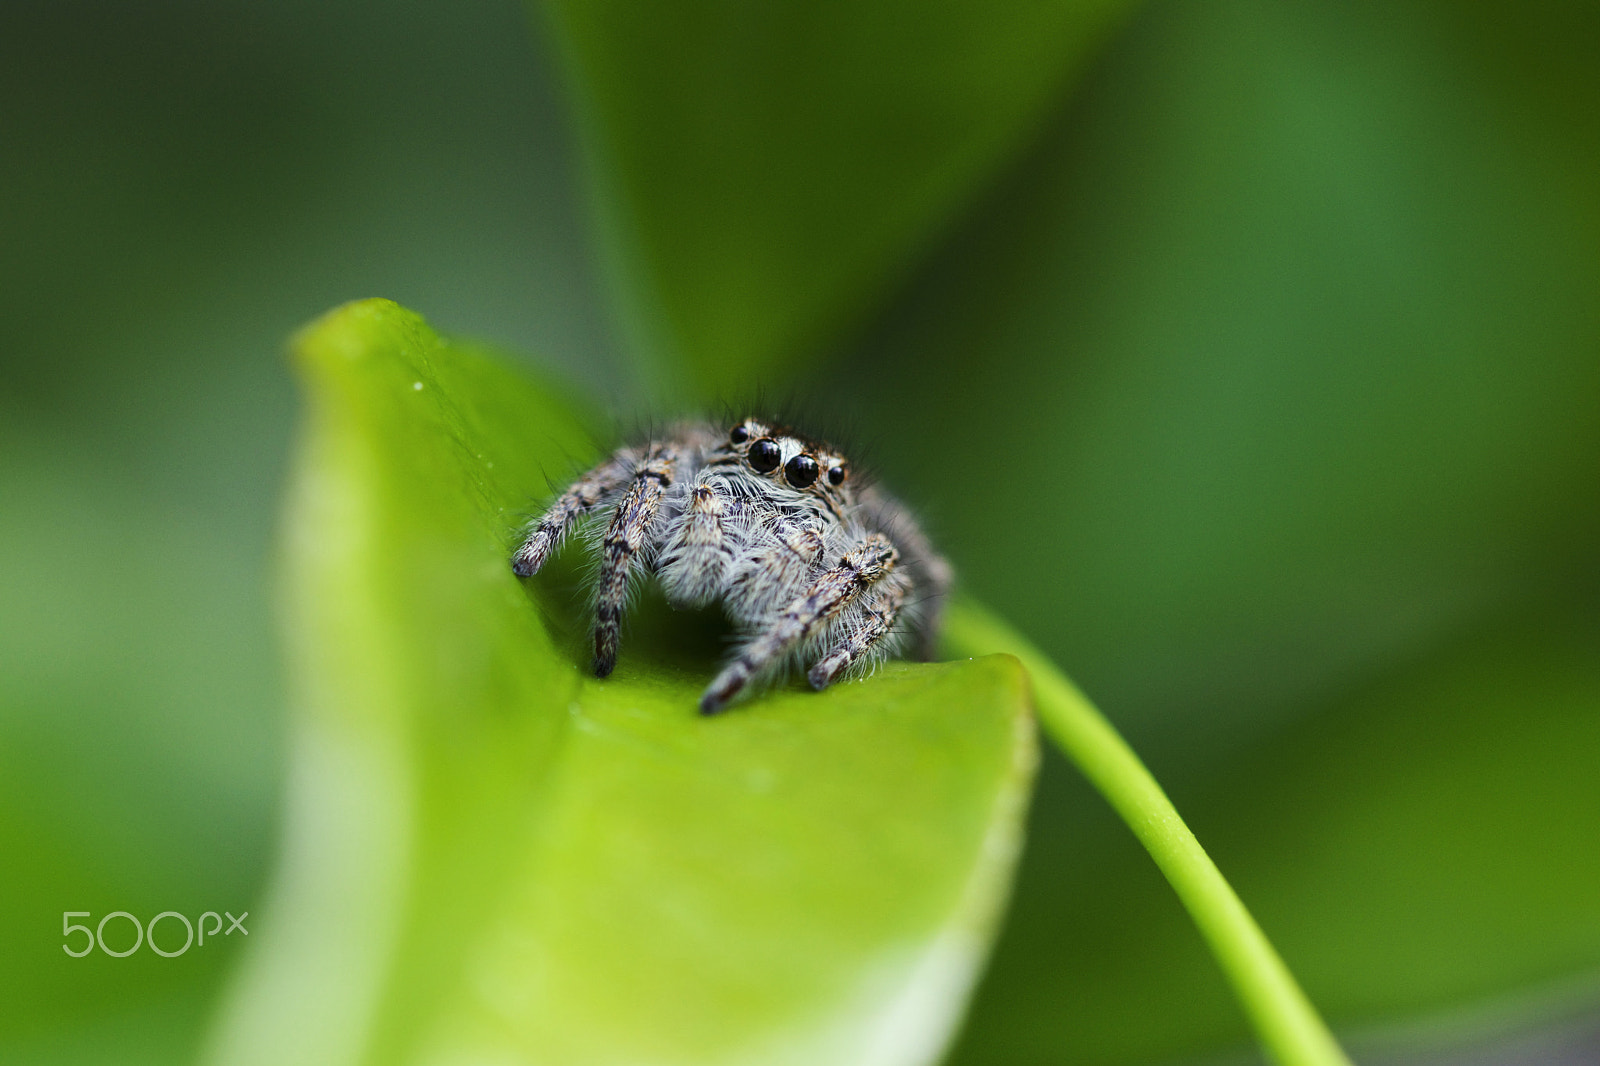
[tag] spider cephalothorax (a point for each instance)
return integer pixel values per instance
(811, 566)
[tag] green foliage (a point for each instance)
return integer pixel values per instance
(1285, 1022)
(491, 854)
(768, 171)
(1265, 382)
(1320, 401)
(1413, 855)
(1247, 366)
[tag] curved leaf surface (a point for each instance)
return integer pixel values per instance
(492, 857)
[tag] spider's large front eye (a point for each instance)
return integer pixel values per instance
(801, 470)
(764, 455)
(738, 435)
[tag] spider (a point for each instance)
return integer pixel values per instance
(811, 567)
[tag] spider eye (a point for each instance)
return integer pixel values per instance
(738, 435)
(764, 455)
(836, 475)
(801, 470)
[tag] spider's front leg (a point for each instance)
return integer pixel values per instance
(863, 628)
(584, 496)
(695, 559)
(859, 570)
(625, 537)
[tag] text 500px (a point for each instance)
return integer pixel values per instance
(143, 934)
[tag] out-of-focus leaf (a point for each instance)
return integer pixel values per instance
(1263, 372)
(492, 856)
(136, 761)
(183, 185)
(1417, 851)
(768, 170)
(1271, 372)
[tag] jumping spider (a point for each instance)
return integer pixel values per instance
(811, 567)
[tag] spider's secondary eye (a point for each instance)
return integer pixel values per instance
(836, 475)
(739, 434)
(801, 471)
(764, 455)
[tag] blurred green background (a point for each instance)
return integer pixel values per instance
(1246, 356)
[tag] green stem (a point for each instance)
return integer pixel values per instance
(1285, 1021)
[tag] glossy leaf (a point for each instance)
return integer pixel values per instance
(493, 856)
(766, 171)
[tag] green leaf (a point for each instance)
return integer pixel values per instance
(768, 171)
(1422, 852)
(492, 856)
(1310, 345)
(1286, 1023)
(136, 748)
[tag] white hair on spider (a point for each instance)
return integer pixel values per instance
(813, 567)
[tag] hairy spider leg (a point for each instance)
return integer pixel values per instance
(695, 559)
(826, 597)
(584, 496)
(775, 574)
(625, 537)
(921, 557)
(878, 610)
